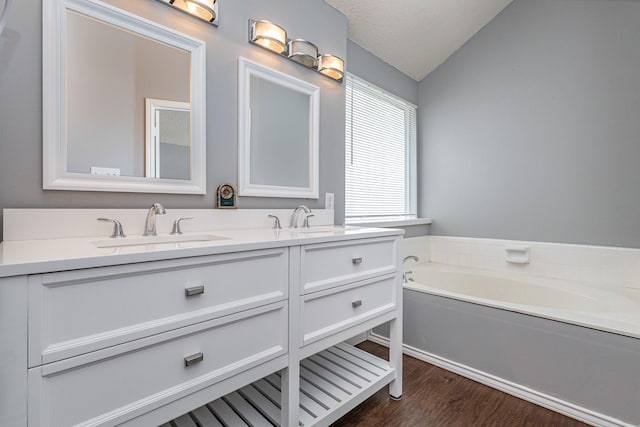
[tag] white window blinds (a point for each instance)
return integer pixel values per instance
(379, 153)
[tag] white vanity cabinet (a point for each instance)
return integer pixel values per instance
(250, 335)
(107, 345)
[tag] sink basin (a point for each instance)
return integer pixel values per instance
(317, 230)
(154, 240)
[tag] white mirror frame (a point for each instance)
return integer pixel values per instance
(246, 69)
(55, 175)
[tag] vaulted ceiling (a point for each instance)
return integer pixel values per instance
(416, 36)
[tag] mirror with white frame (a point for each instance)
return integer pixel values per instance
(123, 102)
(278, 131)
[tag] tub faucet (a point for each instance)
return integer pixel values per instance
(411, 257)
(150, 223)
(296, 212)
(405, 274)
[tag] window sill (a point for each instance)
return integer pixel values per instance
(389, 222)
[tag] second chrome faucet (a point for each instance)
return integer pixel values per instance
(296, 212)
(150, 223)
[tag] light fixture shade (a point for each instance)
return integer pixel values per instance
(304, 52)
(202, 9)
(269, 36)
(332, 66)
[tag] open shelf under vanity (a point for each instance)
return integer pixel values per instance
(332, 383)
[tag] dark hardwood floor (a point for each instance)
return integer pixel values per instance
(434, 397)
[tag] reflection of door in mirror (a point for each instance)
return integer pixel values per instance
(110, 72)
(168, 139)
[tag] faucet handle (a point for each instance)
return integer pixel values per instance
(406, 278)
(117, 227)
(176, 224)
(305, 223)
(276, 224)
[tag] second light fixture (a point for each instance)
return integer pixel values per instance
(274, 38)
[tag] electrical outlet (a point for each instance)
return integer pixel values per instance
(96, 170)
(328, 200)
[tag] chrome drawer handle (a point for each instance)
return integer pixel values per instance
(356, 261)
(196, 290)
(193, 359)
(356, 303)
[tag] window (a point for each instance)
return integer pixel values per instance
(380, 159)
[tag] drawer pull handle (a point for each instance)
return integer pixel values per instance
(193, 359)
(356, 261)
(356, 303)
(196, 290)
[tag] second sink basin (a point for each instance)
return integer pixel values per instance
(317, 230)
(153, 240)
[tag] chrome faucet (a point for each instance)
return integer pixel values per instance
(405, 274)
(150, 223)
(411, 257)
(296, 212)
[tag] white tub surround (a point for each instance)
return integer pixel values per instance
(591, 265)
(542, 330)
(417, 246)
(160, 329)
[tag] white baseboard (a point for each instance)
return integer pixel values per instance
(557, 405)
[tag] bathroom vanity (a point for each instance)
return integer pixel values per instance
(247, 326)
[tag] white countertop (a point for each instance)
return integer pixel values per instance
(22, 257)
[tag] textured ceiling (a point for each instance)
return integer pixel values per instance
(416, 36)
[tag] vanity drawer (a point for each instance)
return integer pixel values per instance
(331, 311)
(72, 313)
(101, 389)
(328, 265)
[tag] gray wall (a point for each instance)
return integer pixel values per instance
(532, 129)
(21, 101)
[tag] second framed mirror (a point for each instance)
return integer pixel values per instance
(278, 120)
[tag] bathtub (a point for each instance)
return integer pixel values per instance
(615, 310)
(568, 347)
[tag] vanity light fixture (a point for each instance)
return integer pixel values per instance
(304, 52)
(207, 10)
(268, 35)
(274, 38)
(332, 66)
